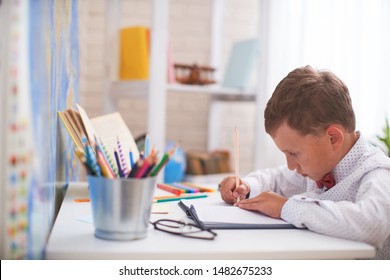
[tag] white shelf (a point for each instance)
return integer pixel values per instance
(156, 90)
(140, 89)
(210, 89)
(129, 89)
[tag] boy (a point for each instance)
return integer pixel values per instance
(335, 182)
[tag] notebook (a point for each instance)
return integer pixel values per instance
(213, 213)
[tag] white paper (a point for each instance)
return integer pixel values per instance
(215, 210)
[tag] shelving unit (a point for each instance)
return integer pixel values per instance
(140, 89)
(156, 89)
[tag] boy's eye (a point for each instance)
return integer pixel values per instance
(291, 154)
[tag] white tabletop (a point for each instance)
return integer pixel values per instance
(72, 237)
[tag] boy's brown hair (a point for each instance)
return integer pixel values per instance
(309, 101)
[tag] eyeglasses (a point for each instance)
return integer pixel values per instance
(184, 229)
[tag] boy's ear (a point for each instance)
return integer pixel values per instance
(335, 134)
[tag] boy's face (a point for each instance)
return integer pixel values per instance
(311, 156)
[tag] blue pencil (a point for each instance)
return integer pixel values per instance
(147, 146)
(181, 186)
(92, 161)
(131, 159)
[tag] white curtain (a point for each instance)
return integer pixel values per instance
(349, 37)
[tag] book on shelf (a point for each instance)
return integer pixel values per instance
(241, 64)
(107, 129)
(134, 53)
(204, 162)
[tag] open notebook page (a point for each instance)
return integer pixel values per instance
(214, 210)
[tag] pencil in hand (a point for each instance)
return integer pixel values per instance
(236, 160)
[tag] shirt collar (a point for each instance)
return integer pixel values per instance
(351, 159)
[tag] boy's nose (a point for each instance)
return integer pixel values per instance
(291, 164)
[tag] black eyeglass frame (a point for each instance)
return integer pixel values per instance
(184, 234)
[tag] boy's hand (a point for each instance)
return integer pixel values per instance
(230, 193)
(268, 203)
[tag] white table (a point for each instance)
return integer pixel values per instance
(72, 237)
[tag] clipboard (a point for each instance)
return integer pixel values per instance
(265, 222)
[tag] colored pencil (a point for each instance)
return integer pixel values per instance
(236, 159)
(131, 159)
(143, 169)
(103, 161)
(170, 189)
(104, 165)
(96, 160)
(176, 195)
(147, 145)
(162, 162)
(181, 186)
(109, 159)
(91, 161)
(200, 188)
(118, 163)
(179, 198)
(122, 159)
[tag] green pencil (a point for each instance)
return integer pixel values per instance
(162, 162)
(179, 198)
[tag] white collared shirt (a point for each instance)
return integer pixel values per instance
(356, 208)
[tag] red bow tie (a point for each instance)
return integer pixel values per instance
(327, 181)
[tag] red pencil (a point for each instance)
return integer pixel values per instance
(170, 189)
(144, 168)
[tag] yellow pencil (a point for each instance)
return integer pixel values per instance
(200, 188)
(104, 165)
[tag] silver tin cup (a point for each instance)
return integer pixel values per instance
(121, 207)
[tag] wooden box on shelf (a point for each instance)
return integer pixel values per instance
(194, 74)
